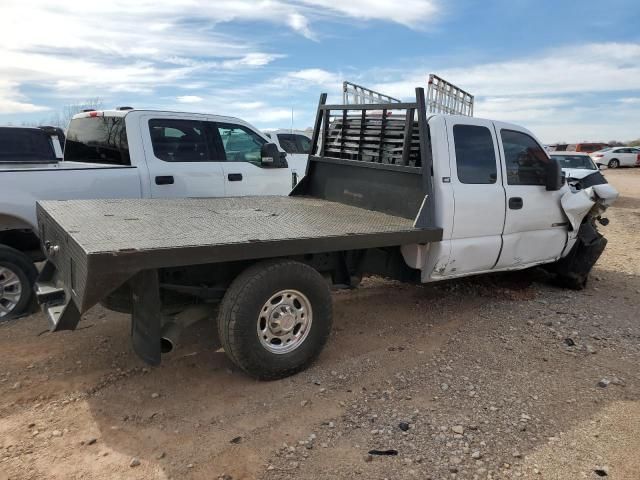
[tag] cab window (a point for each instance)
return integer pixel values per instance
(304, 144)
(175, 140)
(240, 143)
(97, 139)
(526, 161)
(475, 154)
(288, 142)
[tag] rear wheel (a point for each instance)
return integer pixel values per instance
(17, 275)
(614, 163)
(275, 318)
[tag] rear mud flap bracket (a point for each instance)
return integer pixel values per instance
(146, 316)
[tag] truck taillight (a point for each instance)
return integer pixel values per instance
(94, 113)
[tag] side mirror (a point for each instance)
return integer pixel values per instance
(271, 157)
(554, 179)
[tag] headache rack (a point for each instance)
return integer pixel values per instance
(354, 94)
(381, 133)
(373, 155)
(445, 97)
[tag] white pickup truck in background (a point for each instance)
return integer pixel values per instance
(133, 154)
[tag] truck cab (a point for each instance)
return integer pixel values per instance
(494, 202)
(181, 154)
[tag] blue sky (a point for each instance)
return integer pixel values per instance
(567, 70)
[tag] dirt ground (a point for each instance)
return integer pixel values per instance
(492, 377)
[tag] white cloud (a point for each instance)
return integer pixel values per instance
(314, 76)
(189, 99)
(630, 100)
(250, 60)
(412, 13)
(603, 67)
(93, 46)
(11, 101)
(300, 24)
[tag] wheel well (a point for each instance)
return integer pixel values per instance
(23, 240)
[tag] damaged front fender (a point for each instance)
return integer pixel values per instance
(577, 205)
(582, 208)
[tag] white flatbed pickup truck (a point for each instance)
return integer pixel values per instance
(132, 154)
(390, 192)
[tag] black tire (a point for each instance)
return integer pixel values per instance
(242, 307)
(614, 163)
(12, 260)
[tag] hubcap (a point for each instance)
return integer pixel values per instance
(284, 321)
(10, 290)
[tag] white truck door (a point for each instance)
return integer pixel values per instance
(535, 227)
(241, 164)
(180, 157)
(479, 197)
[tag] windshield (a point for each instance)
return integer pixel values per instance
(97, 140)
(575, 161)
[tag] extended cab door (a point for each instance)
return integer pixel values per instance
(243, 171)
(479, 196)
(535, 227)
(181, 157)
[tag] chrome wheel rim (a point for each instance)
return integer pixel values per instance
(10, 290)
(284, 321)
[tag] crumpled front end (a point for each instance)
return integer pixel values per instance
(583, 208)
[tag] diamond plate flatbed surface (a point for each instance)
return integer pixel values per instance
(101, 226)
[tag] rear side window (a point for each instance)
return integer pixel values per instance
(304, 144)
(97, 140)
(176, 140)
(25, 145)
(525, 160)
(288, 142)
(475, 154)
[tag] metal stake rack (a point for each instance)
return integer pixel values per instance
(444, 97)
(353, 94)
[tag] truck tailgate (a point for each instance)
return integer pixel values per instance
(94, 246)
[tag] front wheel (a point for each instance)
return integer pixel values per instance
(615, 163)
(17, 275)
(275, 318)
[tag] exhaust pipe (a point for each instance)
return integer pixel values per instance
(172, 330)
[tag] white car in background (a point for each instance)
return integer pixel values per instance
(575, 164)
(614, 157)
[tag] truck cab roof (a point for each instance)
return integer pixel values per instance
(161, 113)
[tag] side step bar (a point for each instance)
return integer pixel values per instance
(61, 311)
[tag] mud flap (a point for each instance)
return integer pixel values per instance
(146, 316)
(573, 269)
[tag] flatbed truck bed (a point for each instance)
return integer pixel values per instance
(109, 241)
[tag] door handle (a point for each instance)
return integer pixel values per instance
(164, 180)
(515, 203)
(235, 177)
